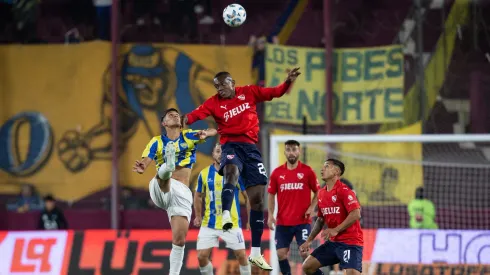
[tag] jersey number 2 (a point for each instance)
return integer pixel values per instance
(346, 255)
(262, 169)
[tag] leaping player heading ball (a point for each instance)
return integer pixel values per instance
(234, 110)
(339, 209)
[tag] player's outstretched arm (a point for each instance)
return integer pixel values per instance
(200, 113)
(141, 165)
(203, 134)
(267, 94)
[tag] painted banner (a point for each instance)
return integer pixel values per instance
(55, 104)
(382, 173)
(368, 85)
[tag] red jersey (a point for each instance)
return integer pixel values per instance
(237, 117)
(334, 206)
(293, 189)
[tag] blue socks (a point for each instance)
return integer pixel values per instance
(256, 226)
(284, 266)
(227, 196)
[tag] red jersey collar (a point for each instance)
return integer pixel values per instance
(335, 186)
(285, 165)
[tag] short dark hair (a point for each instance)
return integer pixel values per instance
(292, 142)
(168, 111)
(222, 74)
(419, 193)
(49, 198)
(339, 164)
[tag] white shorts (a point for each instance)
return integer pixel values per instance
(177, 202)
(208, 238)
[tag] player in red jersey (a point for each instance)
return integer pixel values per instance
(293, 183)
(339, 209)
(234, 110)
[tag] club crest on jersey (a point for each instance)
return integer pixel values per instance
(334, 198)
(230, 156)
(300, 175)
(183, 145)
(241, 97)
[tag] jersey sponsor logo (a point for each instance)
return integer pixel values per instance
(236, 111)
(330, 210)
(292, 186)
(300, 175)
(241, 97)
(230, 156)
(334, 198)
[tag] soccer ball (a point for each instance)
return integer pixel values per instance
(234, 15)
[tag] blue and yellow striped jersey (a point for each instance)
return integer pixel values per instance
(185, 144)
(210, 183)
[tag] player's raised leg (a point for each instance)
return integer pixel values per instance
(230, 174)
(230, 167)
(255, 178)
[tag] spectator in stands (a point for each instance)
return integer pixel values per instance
(25, 14)
(422, 211)
(386, 191)
(52, 217)
(28, 200)
(130, 201)
(258, 59)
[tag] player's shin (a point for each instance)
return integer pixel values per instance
(176, 258)
(207, 270)
(164, 173)
(257, 228)
(245, 270)
(227, 196)
(285, 267)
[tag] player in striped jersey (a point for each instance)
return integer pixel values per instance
(209, 187)
(174, 154)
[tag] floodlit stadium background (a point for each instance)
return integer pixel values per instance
(395, 67)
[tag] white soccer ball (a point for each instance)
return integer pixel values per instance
(234, 15)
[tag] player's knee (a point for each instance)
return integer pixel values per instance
(308, 268)
(203, 258)
(231, 170)
(257, 202)
(282, 254)
(241, 256)
(179, 240)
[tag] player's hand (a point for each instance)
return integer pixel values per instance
(183, 120)
(271, 222)
(292, 74)
(310, 212)
(248, 226)
(197, 221)
(203, 134)
(328, 233)
(305, 247)
(139, 167)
